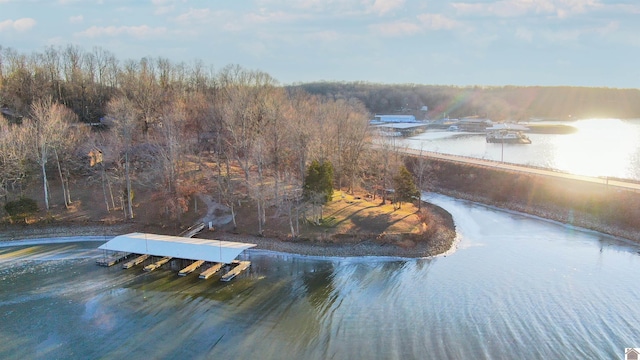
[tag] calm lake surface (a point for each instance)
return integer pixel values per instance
(599, 147)
(516, 287)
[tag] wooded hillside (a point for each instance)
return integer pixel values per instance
(173, 129)
(496, 103)
(77, 119)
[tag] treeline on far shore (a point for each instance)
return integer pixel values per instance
(513, 103)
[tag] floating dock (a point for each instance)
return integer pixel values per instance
(218, 252)
(157, 264)
(112, 260)
(191, 268)
(136, 261)
(210, 271)
(236, 270)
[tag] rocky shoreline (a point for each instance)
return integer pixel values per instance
(364, 248)
(445, 244)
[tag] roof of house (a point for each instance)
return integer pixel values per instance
(401, 125)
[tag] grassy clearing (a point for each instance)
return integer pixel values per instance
(349, 214)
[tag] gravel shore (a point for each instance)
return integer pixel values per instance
(445, 244)
(442, 243)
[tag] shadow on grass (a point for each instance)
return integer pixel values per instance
(377, 223)
(353, 215)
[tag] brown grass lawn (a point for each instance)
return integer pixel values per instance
(350, 219)
(349, 214)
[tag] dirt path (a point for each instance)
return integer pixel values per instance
(217, 214)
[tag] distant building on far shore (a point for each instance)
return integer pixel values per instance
(474, 124)
(393, 119)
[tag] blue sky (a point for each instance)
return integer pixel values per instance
(466, 42)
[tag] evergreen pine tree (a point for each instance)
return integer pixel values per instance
(405, 187)
(318, 183)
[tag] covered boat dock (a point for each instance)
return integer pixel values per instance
(167, 247)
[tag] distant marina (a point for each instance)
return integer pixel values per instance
(590, 147)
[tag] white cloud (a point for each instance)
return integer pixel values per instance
(309, 4)
(163, 7)
(161, 10)
(194, 15)
(398, 28)
(572, 36)
(20, 25)
(608, 28)
(264, 17)
(426, 22)
(438, 22)
(516, 8)
(628, 8)
(382, 7)
(314, 5)
(76, 19)
(142, 31)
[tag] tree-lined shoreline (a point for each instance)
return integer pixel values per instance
(111, 141)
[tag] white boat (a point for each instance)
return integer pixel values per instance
(507, 133)
(508, 136)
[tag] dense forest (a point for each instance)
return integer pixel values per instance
(72, 117)
(515, 103)
(75, 117)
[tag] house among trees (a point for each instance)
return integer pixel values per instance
(380, 119)
(401, 129)
(474, 124)
(11, 116)
(397, 125)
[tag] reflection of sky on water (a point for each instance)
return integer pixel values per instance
(608, 147)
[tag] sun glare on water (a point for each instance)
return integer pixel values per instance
(600, 147)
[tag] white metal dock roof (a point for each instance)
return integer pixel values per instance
(178, 247)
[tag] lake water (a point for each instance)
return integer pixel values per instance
(516, 287)
(599, 147)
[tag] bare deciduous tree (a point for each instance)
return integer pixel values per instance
(48, 125)
(123, 114)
